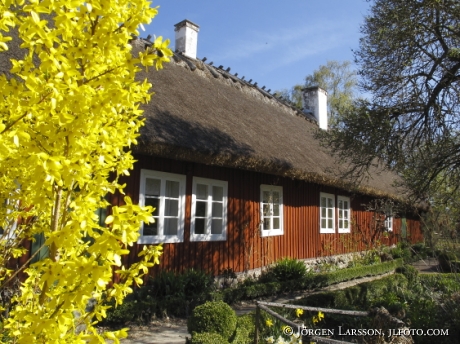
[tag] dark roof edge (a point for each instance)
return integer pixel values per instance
(257, 165)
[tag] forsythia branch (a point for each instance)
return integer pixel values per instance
(64, 143)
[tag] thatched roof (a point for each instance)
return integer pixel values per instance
(204, 114)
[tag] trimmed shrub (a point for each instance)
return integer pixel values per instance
(217, 317)
(207, 338)
(245, 328)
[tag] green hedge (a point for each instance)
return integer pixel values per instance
(310, 281)
(217, 317)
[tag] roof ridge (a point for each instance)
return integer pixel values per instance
(194, 64)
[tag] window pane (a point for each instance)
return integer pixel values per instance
(151, 228)
(329, 224)
(267, 223)
(323, 202)
(170, 227)
(155, 203)
(216, 226)
(171, 207)
(323, 223)
(329, 203)
(329, 213)
(340, 204)
(172, 189)
(276, 210)
(346, 224)
(345, 204)
(266, 197)
(266, 210)
(201, 191)
(217, 210)
(323, 212)
(152, 187)
(199, 226)
(340, 223)
(201, 208)
(276, 223)
(345, 214)
(276, 197)
(217, 193)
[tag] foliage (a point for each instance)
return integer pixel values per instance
(400, 251)
(217, 317)
(409, 272)
(167, 294)
(409, 63)
(447, 261)
(285, 269)
(69, 113)
(430, 301)
(245, 328)
(310, 281)
(207, 338)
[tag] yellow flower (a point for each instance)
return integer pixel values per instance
(320, 315)
(298, 312)
(269, 322)
(270, 340)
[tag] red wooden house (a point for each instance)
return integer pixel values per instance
(237, 177)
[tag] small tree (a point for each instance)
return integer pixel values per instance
(69, 113)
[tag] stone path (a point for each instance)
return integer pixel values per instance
(427, 265)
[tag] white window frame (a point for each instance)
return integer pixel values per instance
(388, 223)
(340, 212)
(161, 238)
(321, 229)
(271, 232)
(208, 236)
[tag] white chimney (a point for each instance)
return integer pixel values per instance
(315, 102)
(187, 38)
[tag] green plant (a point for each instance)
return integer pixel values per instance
(401, 251)
(244, 330)
(207, 338)
(285, 269)
(371, 257)
(447, 261)
(410, 272)
(217, 317)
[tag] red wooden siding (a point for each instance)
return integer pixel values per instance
(244, 249)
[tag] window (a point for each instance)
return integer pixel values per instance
(327, 208)
(271, 210)
(389, 221)
(209, 210)
(343, 205)
(166, 193)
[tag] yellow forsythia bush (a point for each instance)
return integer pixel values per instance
(69, 112)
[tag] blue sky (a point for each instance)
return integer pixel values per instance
(275, 43)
